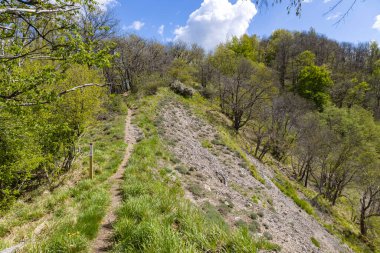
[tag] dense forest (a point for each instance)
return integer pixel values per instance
(309, 102)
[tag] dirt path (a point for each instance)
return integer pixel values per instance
(217, 175)
(103, 242)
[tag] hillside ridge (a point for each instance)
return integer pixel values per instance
(214, 174)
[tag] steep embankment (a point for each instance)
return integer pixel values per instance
(213, 173)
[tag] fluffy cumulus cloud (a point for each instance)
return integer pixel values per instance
(376, 25)
(136, 25)
(215, 22)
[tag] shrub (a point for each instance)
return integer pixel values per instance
(254, 227)
(241, 224)
(182, 169)
(206, 144)
(208, 92)
(268, 235)
(196, 190)
(253, 216)
(255, 199)
(181, 89)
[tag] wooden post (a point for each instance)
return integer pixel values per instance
(91, 172)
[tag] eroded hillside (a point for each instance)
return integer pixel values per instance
(216, 177)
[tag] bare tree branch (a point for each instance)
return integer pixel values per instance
(17, 11)
(64, 93)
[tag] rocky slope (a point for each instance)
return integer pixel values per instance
(213, 174)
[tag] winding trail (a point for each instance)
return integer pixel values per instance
(103, 242)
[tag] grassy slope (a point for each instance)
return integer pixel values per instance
(155, 217)
(72, 214)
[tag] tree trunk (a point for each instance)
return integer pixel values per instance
(307, 176)
(363, 226)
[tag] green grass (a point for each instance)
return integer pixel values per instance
(77, 222)
(155, 217)
(206, 144)
(255, 199)
(72, 214)
(287, 188)
(315, 242)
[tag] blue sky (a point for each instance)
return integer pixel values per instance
(216, 20)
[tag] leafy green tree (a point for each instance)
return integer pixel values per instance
(352, 137)
(245, 46)
(38, 142)
(45, 32)
(182, 71)
(374, 83)
(313, 84)
(242, 86)
(279, 52)
(370, 196)
(306, 58)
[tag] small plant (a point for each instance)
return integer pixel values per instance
(175, 160)
(253, 216)
(315, 242)
(243, 165)
(260, 214)
(241, 224)
(255, 199)
(225, 207)
(254, 227)
(217, 142)
(268, 235)
(164, 171)
(182, 169)
(206, 144)
(196, 190)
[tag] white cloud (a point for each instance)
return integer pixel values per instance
(307, 1)
(376, 25)
(326, 1)
(136, 25)
(215, 22)
(161, 30)
(103, 4)
(334, 16)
